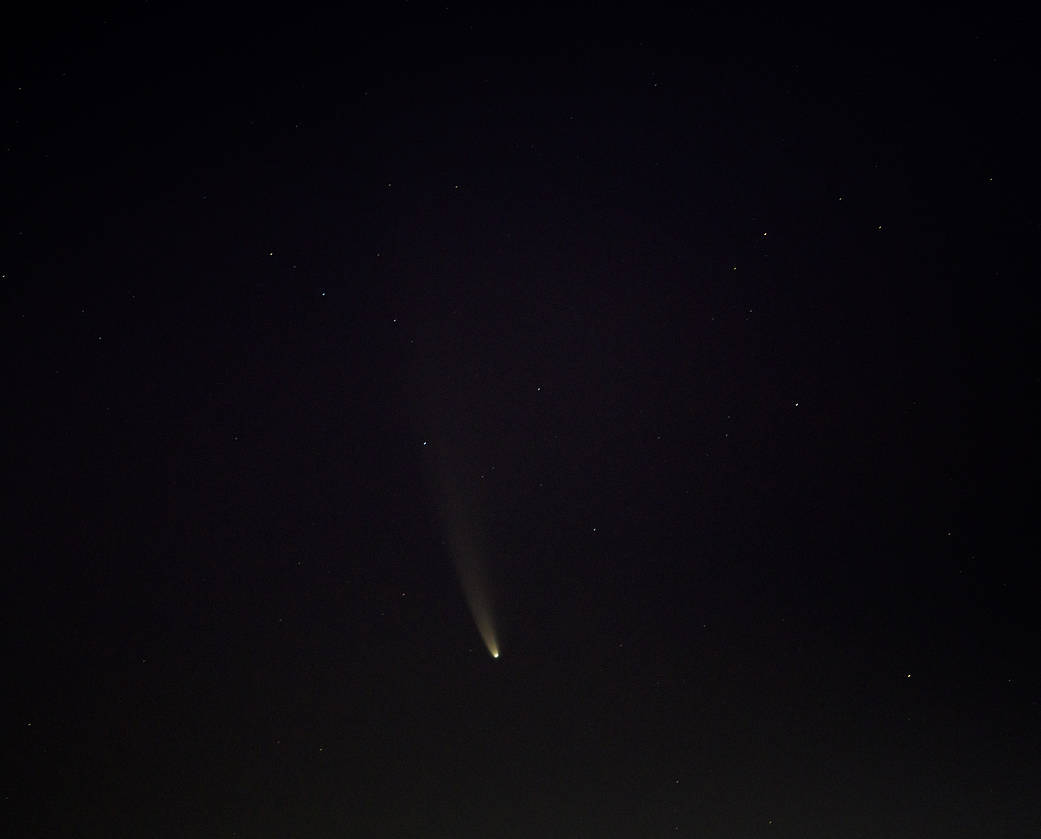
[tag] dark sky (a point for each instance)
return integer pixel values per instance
(701, 344)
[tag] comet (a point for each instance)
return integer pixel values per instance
(454, 465)
(470, 568)
(462, 527)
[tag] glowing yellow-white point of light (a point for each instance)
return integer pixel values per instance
(484, 629)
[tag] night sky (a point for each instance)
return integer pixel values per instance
(686, 361)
